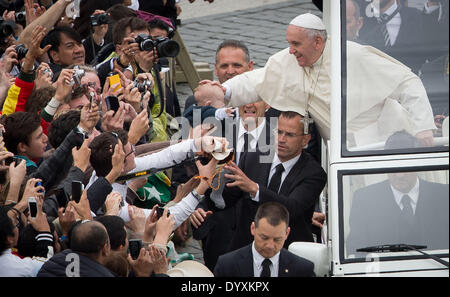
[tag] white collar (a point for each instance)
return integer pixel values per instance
(391, 9)
(287, 165)
(255, 132)
(413, 194)
(258, 259)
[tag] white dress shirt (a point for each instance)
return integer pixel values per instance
(393, 26)
(413, 194)
(255, 133)
(257, 263)
(287, 168)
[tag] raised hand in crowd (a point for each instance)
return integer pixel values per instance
(33, 189)
(159, 260)
(99, 31)
(112, 203)
(44, 76)
(33, 11)
(9, 59)
(81, 155)
(164, 228)
(89, 116)
(127, 51)
(66, 219)
(139, 126)
(34, 48)
(184, 189)
(64, 84)
(82, 208)
(137, 222)
(142, 266)
(150, 226)
(118, 159)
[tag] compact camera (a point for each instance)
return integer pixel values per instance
(163, 45)
(99, 19)
(143, 86)
(76, 78)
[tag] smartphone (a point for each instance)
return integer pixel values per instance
(9, 160)
(134, 246)
(77, 190)
(115, 79)
(160, 211)
(112, 102)
(62, 197)
(32, 206)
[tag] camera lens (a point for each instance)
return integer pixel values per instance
(168, 48)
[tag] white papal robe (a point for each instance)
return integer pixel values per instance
(383, 95)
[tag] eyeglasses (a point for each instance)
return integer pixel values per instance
(287, 134)
(93, 85)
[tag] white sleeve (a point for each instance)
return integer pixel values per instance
(183, 209)
(171, 155)
(412, 96)
(240, 90)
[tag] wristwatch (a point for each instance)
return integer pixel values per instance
(197, 196)
(80, 130)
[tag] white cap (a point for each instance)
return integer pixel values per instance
(308, 21)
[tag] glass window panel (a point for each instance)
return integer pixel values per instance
(397, 72)
(374, 214)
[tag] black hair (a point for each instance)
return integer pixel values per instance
(102, 150)
(273, 212)
(61, 126)
(121, 26)
(54, 38)
(6, 227)
(116, 231)
(18, 128)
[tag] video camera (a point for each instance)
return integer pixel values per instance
(99, 19)
(163, 45)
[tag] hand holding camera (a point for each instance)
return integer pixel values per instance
(99, 24)
(64, 84)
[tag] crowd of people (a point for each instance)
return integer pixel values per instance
(94, 179)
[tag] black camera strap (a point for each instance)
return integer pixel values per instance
(160, 88)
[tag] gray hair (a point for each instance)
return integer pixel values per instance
(312, 33)
(234, 44)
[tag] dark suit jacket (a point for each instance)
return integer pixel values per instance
(239, 263)
(298, 193)
(217, 230)
(412, 46)
(375, 217)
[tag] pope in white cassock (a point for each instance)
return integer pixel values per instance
(383, 95)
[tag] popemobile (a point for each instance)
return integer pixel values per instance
(387, 198)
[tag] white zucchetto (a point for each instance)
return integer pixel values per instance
(308, 21)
